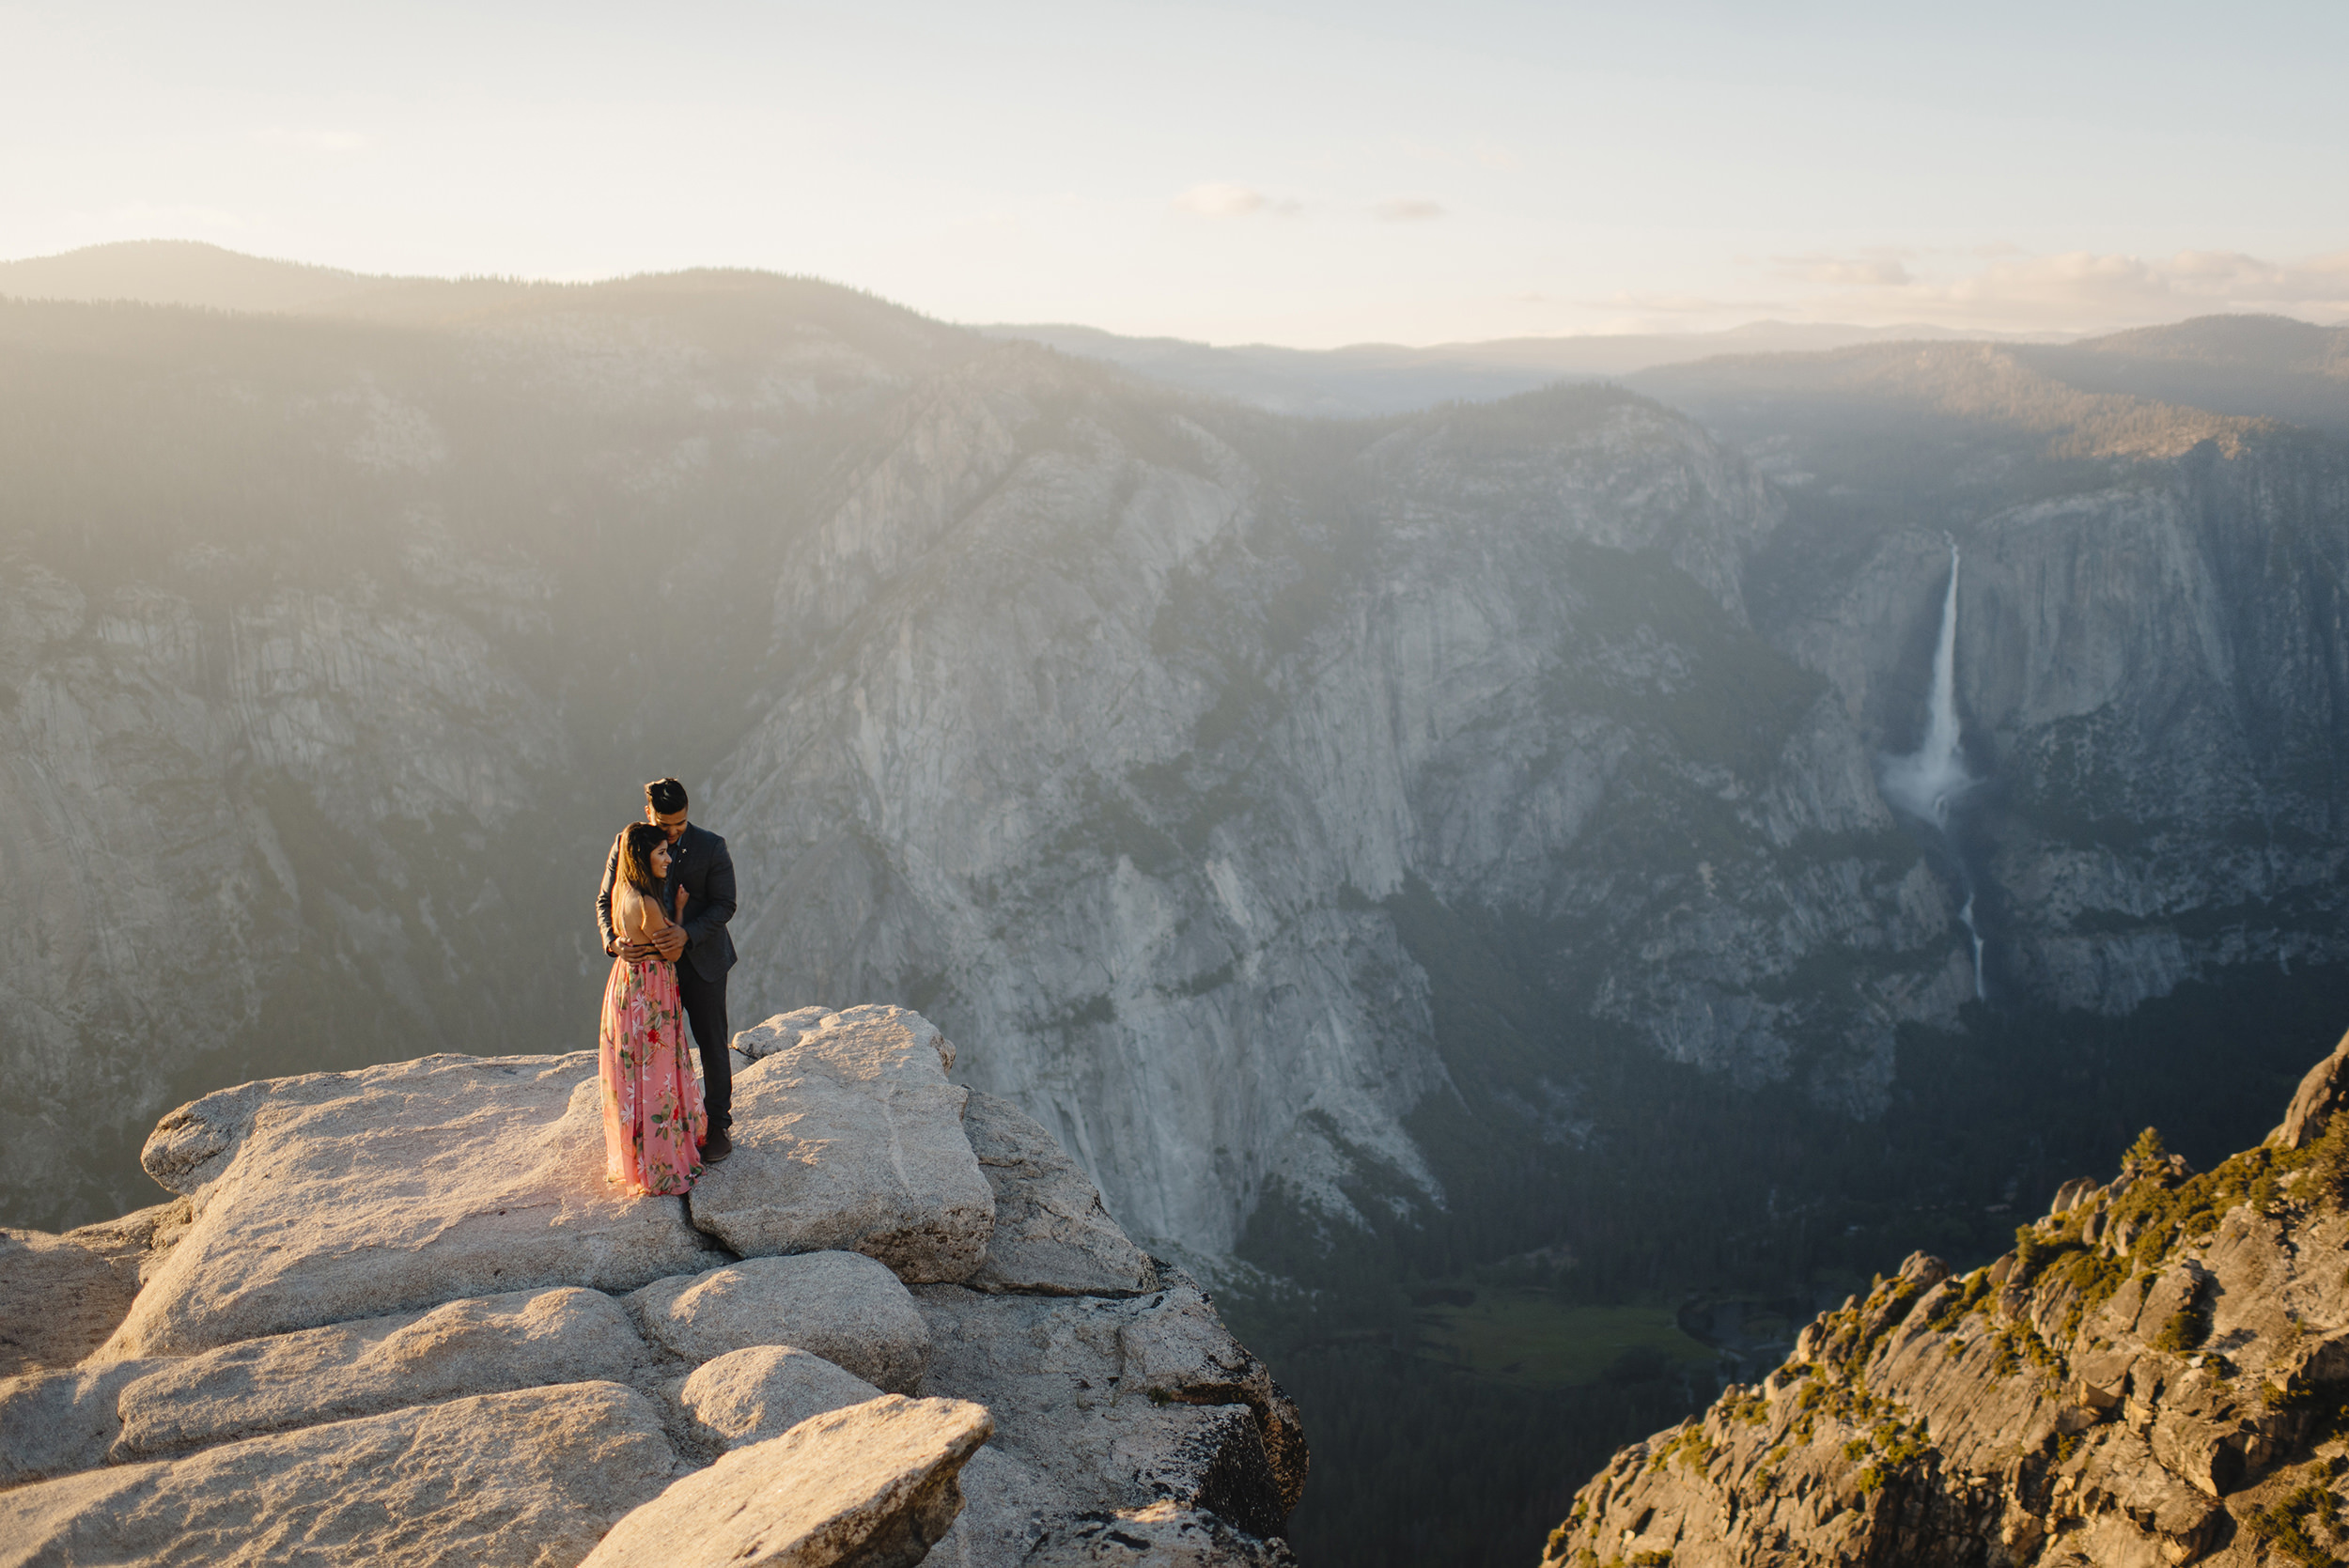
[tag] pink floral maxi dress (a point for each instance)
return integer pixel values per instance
(654, 1125)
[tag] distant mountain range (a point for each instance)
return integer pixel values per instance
(2264, 366)
(190, 272)
(1663, 592)
(1450, 844)
(1372, 379)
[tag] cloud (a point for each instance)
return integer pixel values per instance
(331, 143)
(1220, 199)
(2087, 290)
(1680, 304)
(1997, 288)
(1874, 269)
(1406, 209)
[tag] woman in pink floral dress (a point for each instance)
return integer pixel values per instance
(653, 1122)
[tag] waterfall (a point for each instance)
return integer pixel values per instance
(1965, 915)
(1925, 783)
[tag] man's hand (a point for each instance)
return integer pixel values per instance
(671, 942)
(636, 953)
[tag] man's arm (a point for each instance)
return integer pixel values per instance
(716, 906)
(603, 898)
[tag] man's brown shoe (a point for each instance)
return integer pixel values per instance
(719, 1146)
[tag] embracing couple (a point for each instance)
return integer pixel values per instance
(667, 893)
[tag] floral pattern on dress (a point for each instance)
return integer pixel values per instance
(654, 1123)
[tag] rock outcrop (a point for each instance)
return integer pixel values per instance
(1095, 1398)
(522, 1479)
(2158, 1373)
(59, 1300)
(1051, 1234)
(2314, 1103)
(841, 1306)
(350, 1195)
(489, 1345)
(851, 1137)
(1159, 1536)
(748, 1396)
(873, 1483)
(312, 1371)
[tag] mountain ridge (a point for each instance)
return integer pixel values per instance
(1049, 480)
(1430, 852)
(2159, 1372)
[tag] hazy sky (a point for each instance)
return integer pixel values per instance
(1293, 173)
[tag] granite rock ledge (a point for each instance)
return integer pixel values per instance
(393, 1317)
(2157, 1374)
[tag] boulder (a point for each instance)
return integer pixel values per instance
(376, 1329)
(135, 1243)
(1006, 1506)
(2320, 1089)
(1051, 1234)
(57, 1423)
(872, 1485)
(1178, 1350)
(58, 1300)
(340, 1196)
(748, 1396)
(842, 1306)
(782, 1032)
(1163, 1535)
(2072, 1194)
(1113, 1404)
(850, 1138)
(520, 1341)
(527, 1479)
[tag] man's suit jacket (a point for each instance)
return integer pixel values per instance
(698, 862)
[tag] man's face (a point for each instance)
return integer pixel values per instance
(669, 822)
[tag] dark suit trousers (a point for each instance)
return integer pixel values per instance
(705, 1008)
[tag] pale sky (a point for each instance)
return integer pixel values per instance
(1300, 172)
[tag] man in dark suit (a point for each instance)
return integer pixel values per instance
(702, 952)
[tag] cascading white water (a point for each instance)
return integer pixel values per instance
(1966, 916)
(1925, 783)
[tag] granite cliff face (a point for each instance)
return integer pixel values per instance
(2150, 658)
(1154, 862)
(1150, 742)
(309, 635)
(397, 1317)
(2157, 1373)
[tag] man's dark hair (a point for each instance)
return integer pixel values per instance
(666, 795)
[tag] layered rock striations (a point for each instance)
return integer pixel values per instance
(2157, 1373)
(313, 1368)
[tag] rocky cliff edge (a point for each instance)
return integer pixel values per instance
(2158, 1373)
(396, 1317)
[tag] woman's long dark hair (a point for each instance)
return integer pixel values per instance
(636, 848)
